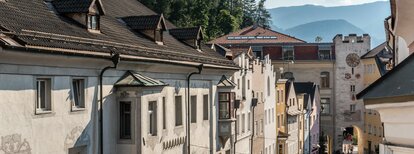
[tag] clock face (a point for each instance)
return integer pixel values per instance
(352, 60)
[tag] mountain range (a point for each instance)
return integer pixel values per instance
(309, 21)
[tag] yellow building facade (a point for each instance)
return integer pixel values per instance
(374, 68)
(281, 116)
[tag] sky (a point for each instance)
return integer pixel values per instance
(280, 3)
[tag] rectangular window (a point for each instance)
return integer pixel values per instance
(277, 96)
(93, 22)
(238, 124)
(248, 121)
(324, 54)
(325, 80)
(325, 103)
(352, 88)
(273, 115)
(256, 127)
(125, 120)
(43, 94)
(261, 126)
(248, 84)
(243, 122)
(288, 53)
(352, 108)
(205, 107)
(265, 117)
(164, 116)
(225, 100)
(178, 111)
(78, 93)
(152, 118)
(193, 109)
(278, 121)
(238, 83)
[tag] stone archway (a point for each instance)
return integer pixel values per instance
(360, 138)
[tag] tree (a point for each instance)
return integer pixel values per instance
(249, 13)
(228, 23)
(318, 39)
(262, 15)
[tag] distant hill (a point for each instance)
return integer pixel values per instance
(369, 17)
(327, 29)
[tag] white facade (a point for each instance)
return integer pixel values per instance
(293, 121)
(64, 130)
(243, 79)
(269, 105)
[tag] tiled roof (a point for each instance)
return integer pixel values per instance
(146, 22)
(255, 35)
(34, 24)
(186, 33)
(134, 79)
(380, 49)
(397, 82)
(72, 6)
(225, 82)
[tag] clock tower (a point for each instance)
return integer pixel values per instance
(349, 112)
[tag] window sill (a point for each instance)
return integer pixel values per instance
(77, 109)
(126, 141)
(41, 112)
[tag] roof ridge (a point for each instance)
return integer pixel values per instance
(116, 44)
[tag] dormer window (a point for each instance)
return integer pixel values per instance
(191, 36)
(151, 26)
(93, 22)
(85, 12)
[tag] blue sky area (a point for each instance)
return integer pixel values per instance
(281, 3)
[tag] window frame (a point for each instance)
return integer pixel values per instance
(206, 103)
(328, 103)
(325, 79)
(122, 126)
(229, 105)
(90, 22)
(181, 123)
(82, 105)
(193, 112)
(152, 118)
(47, 94)
(288, 53)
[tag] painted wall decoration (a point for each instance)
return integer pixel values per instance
(76, 137)
(13, 144)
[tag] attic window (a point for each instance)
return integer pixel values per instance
(191, 36)
(151, 26)
(93, 22)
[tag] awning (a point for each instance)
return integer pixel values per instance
(134, 79)
(225, 82)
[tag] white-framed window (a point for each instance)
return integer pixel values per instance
(78, 94)
(194, 109)
(93, 22)
(152, 118)
(43, 95)
(273, 115)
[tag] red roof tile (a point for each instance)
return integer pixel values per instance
(255, 35)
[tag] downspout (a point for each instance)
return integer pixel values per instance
(254, 103)
(115, 60)
(200, 68)
(235, 127)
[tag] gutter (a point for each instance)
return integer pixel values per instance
(92, 54)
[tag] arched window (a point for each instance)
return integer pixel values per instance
(288, 75)
(325, 80)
